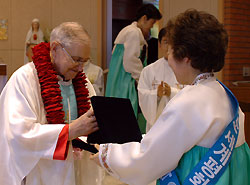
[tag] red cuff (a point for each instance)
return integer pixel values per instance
(62, 145)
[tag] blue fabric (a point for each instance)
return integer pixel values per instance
(119, 82)
(190, 165)
(202, 171)
(227, 140)
(237, 172)
(67, 92)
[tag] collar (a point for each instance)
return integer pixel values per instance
(61, 82)
(201, 77)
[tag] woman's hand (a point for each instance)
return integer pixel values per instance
(163, 90)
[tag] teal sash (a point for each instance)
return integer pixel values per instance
(214, 163)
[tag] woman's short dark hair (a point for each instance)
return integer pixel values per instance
(200, 37)
(149, 10)
(162, 33)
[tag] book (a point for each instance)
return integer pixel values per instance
(116, 121)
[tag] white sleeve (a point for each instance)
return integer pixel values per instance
(147, 96)
(131, 62)
(162, 102)
(173, 134)
(90, 88)
(174, 91)
(99, 83)
(25, 138)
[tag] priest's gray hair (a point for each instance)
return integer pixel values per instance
(70, 33)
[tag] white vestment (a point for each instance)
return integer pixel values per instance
(192, 117)
(27, 142)
(95, 76)
(151, 77)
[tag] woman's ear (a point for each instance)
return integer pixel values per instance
(54, 45)
(53, 49)
(186, 60)
(144, 18)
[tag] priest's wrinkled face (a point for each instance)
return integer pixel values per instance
(69, 61)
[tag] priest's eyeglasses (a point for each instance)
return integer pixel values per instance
(79, 60)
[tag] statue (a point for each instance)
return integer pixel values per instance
(34, 36)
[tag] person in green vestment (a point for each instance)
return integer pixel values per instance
(129, 57)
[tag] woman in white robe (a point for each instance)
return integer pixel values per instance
(151, 100)
(193, 119)
(35, 136)
(129, 58)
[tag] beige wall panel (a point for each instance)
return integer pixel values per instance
(172, 8)
(23, 12)
(50, 13)
(5, 55)
(215, 8)
(93, 25)
(73, 10)
(5, 13)
(82, 11)
(16, 61)
(94, 32)
(178, 6)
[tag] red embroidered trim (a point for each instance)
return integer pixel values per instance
(202, 76)
(50, 91)
(104, 155)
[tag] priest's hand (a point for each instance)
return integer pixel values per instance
(163, 90)
(83, 126)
